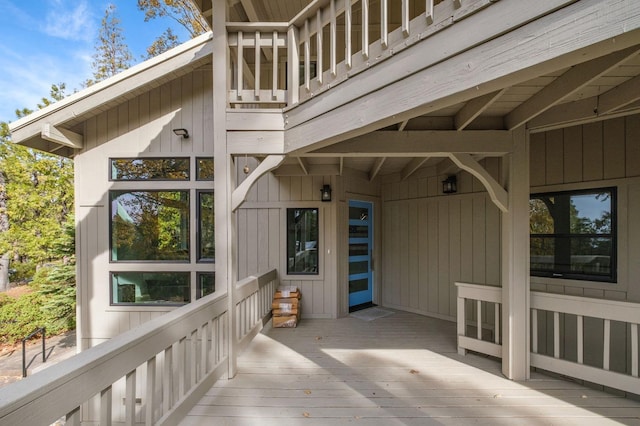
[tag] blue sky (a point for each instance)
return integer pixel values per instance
(43, 42)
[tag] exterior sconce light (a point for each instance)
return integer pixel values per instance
(184, 133)
(326, 193)
(450, 185)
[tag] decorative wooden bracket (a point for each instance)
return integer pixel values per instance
(240, 193)
(497, 193)
(61, 136)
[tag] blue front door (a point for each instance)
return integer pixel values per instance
(360, 252)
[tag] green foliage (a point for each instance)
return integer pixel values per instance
(51, 304)
(112, 53)
(168, 40)
(183, 12)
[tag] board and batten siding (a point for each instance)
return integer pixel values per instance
(261, 235)
(140, 126)
(595, 155)
(431, 240)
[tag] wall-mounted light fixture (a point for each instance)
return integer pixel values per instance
(184, 133)
(326, 193)
(450, 185)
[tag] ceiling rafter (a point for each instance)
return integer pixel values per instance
(475, 107)
(304, 165)
(412, 166)
(375, 169)
(574, 79)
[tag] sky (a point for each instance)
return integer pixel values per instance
(45, 42)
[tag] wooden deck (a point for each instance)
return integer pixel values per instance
(402, 369)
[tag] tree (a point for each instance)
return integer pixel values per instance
(36, 197)
(184, 12)
(112, 53)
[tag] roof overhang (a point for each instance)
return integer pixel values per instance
(55, 128)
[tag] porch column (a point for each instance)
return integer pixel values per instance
(515, 260)
(223, 175)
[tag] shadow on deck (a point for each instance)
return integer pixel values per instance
(402, 369)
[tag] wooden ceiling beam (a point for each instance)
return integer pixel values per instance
(568, 83)
(423, 143)
(304, 165)
(61, 136)
(412, 166)
(620, 96)
(475, 107)
(375, 169)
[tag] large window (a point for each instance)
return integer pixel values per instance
(149, 225)
(573, 234)
(302, 241)
(161, 239)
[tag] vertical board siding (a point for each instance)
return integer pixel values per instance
(141, 125)
(428, 243)
(262, 237)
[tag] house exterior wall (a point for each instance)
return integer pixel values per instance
(140, 127)
(431, 240)
(261, 224)
(595, 155)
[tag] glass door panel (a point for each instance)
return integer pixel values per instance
(360, 252)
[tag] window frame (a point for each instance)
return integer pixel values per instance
(198, 229)
(112, 301)
(289, 273)
(160, 179)
(556, 273)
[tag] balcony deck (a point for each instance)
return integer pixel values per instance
(402, 369)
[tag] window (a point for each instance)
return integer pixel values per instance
(206, 222)
(133, 288)
(573, 234)
(302, 241)
(149, 225)
(149, 169)
(206, 284)
(161, 230)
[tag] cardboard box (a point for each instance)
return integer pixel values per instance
(287, 292)
(285, 312)
(289, 303)
(289, 321)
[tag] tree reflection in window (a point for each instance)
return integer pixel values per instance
(149, 169)
(573, 234)
(206, 227)
(149, 225)
(302, 241)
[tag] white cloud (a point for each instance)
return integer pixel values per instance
(69, 23)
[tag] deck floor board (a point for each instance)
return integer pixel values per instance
(403, 369)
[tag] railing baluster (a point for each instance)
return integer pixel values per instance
(534, 331)
(607, 345)
(580, 337)
(497, 322)
(429, 12)
(365, 28)
(457, 4)
(307, 54)
(150, 398)
(347, 33)
(274, 83)
(293, 59)
(384, 27)
(319, 45)
(479, 318)
(333, 38)
(167, 380)
(106, 406)
(258, 56)
(240, 63)
(182, 367)
(130, 399)
(405, 18)
(205, 365)
(462, 323)
(556, 334)
(634, 350)
(193, 359)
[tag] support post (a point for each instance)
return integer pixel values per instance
(223, 175)
(515, 260)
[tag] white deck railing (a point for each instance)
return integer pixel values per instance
(327, 43)
(560, 306)
(165, 366)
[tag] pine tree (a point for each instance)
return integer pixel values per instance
(112, 53)
(184, 12)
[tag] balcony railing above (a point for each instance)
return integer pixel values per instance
(284, 64)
